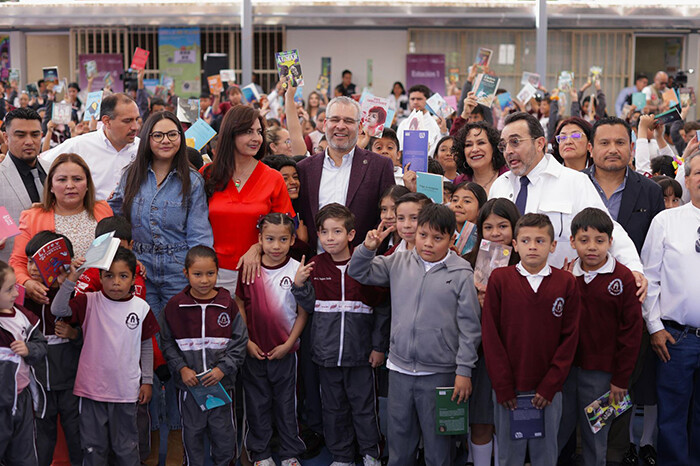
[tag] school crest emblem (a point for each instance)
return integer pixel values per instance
(132, 321)
(224, 320)
(558, 307)
(615, 287)
(286, 283)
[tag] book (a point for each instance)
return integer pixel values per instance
(504, 99)
(485, 87)
(687, 96)
(670, 97)
(52, 259)
(228, 76)
(209, 397)
(415, 150)
(50, 74)
(466, 240)
(250, 93)
(201, 133)
(93, 105)
(374, 115)
(453, 75)
(565, 81)
(299, 95)
(60, 90)
(108, 80)
(101, 252)
(14, 75)
(324, 80)
(451, 100)
(526, 93)
(450, 417)
(438, 106)
(167, 82)
(187, 110)
(483, 57)
(21, 293)
(601, 411)
(526, 421)
(639, 100)
(532, 78)
(216, 85)
(669, 116)
(61, 113)
(594, 73)
(32, 90)
(288, 65)
(90, 69)
(431, 185)
(8, 227)
(138, 62)
(490, 257)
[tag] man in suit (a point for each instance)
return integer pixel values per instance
(22, 176)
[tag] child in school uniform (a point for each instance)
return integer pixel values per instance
(115, 370)
(530, 332)
(21, 345)
(274, 326)
(346, 337)
(202, 331)
(435, 330)
(610, 331)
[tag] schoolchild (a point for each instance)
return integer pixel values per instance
(407, 208)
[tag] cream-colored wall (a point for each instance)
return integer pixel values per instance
(47, 50)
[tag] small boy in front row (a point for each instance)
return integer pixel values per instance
(530, 333)
(115, 370)
(610, 331)
(435, 330)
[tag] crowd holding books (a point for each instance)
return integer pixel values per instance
(506, 273)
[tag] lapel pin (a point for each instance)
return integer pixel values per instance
(364, 161)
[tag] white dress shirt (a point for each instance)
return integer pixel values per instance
(561, 193)
(534, 279)
(588, 277)
(671, 264)
(105, 162)
(335, 180)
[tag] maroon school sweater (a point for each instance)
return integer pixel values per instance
(610, 328)
(529, 338)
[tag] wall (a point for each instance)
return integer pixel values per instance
(350, 49)
(47, 50)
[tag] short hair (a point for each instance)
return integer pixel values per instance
(278, 162)
(687, 126)
(592, 217)
(610, 121)
(74, 86)
(641, 76)
(234, 90)
(663, 165)
(345, 101)
(536, 221)
(422, 88)
(109, 104)
(380, 112)
(336, 211)
(276, 218)
(116, 223)
(686, 164)
(449, 187)
(434, 167)
(40, 82)
(124, 255)
(42, 238)
(5, 270)
(346, 72)
(200, 252)
(388, 134)
(669, 186)
(156, 101)
(21, 114)
(438, 217)
(534, 127)
(419, 198)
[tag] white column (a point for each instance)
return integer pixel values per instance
(246, 42)
(541, 40)
(18, 55)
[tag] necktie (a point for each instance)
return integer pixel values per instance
(37, 183)
(521, 200)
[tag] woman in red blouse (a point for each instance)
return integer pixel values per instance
(241, 190)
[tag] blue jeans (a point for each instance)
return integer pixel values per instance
(677, 384)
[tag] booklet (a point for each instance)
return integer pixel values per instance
(250, 93)
(209, 397)
(532, 78)
(526, 421)
(504, 99)
(602, 411)
(21, 293)
(187, 110)
(451, 100)
(415, 150)
(324, 80)
(670, 97)
(299, 95)
(491, 256)
(438, 106)
(50, 74)
(201, 133)
(594, 73)
(466, 240)
(639, 100)
(91, 69)
(453, 75)
(8, 227)
(14, 75)
(669, 116)
(216, 85)
(93, 105)
(140, 59)
(485, 87)
(566, 81)
(687, 96)
(101, 252)
(108, 80)
(483, 57)
(526, 93)
(32, 90)
(52, 259)
(450, 417)
(288, 65)
(431, 185)
(61, 113)
(228, 76)
(375, 111)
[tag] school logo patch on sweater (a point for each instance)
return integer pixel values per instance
(224, 320)
(558, 307)
(615, 287)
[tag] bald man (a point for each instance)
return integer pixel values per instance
(654, 92)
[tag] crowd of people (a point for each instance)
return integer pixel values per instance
(293, 263)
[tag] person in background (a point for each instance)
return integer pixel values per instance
(571, 143)
(625, 95)
(346, 87)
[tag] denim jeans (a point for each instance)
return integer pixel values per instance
(677, 384)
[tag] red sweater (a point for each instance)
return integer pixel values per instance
(610, 329)
(529, 338)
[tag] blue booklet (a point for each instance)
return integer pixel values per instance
(526, 421)
(430, 184)
(93, 105)
(415, 150)
(209, 397)
(504, 99)
(201, 133)
(639, 100)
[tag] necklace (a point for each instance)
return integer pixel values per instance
(239, 181)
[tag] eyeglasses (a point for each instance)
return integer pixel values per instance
(697, 243)
(288, 142)
(563, 137)
(512, 142)
(158, 136)
(337, 120)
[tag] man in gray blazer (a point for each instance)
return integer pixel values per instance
(22, 176)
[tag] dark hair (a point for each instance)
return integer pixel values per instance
(585, 127)
(387, 134)
(116, 223)
(74, 86)
(534, 220)
(534, 127)
(40, 82)
(126, 256)
(156, 101)
(395, 191)
(434, 167)
(109, 104)
(419, 198)
(21, 114)
(278, 162)
(238, 120)
(663, 164)
(669, 186)
(346, 72)
(500, 207)
(610, 121)
(438, 217)
(42, 238)
(194, 158)
(200, 252)
(49, 201)
(476, 189)
(449, 187)
(590, 217)
(441, 142)
(336, 211)
(137, 172)
(403, 89)
(381, 114)
(641, 76)
(687, 126)
(276, 218)
(5, 269)
(493, 136)
(422, 88)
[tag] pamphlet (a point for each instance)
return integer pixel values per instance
(485, 87)
(216, 86)
(602, 411)
(374, 115)
(228, 76)
(250, 93)
(209, 397)
(532, 78)
(451, 100)
(101, 252)
(453, 75)
(466, 240)
(687, 96)
(594, 73)
(415, 150)
(93, 105)
(431, 185)
(450, 417)
(526, 93)
(52, 259)
(14, 75)
(639, 100)
(566, 81)
(438, 106)
(201, 133)
(483, 57)
(288, 65)
(140, 59)
(91, 69)
(526, 421)
(8, 227)
(187, 110)
(50, 74)
(490, 257)
(61, 113)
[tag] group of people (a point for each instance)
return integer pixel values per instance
(293, 262)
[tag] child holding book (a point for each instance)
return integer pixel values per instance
(466, 200)
(408, 208)
(435, 330)
(115, 369)
(274, 327)
(347, 342)
(21, 345)
(388, 146)
(203, 339)
(530, 333)
(610, 331)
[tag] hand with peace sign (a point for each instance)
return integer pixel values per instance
(303, 272)
(375, 237)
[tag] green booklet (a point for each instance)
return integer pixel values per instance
(450, 417)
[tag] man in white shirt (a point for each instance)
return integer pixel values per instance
(109, 149)
(417, 98)
(671, 256)
(654, 93)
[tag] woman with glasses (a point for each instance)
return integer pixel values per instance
(279, 141)
(570, 145)
(478, 157)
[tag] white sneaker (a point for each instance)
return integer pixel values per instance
(291, 462)
(369, 461)
(266, 462)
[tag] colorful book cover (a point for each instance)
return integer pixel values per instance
(201, 133)
(532, 78)
(91, 69)
(466, 240)
(52, 259)
(602, 411)
(209, 397)
(483, 57)
(490, 257)
(594, 73)
(14, 75)
(187, 110)
(526, 421)
(431, 185)
(485, 87)
(450, 417)
(250, 93)
(108, 80)
(324, 79)
(299, 96)
(93, 105)
(438, 106)
(639, 100)
(8, 227)
(566, 81)
(101, 252)
(140, 59)
(504, 99)
(228, 76)
(526, 93)
(32, 90)
(288, 65)
(50, 74)
(451, 100)
(21, 293)
(216, 85)
(374, 115)
(687, 96)
(453, 75)
(415, 150)
(670, 97)
(669, 116)
(61, 113)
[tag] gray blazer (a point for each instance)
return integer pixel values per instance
(14, 197)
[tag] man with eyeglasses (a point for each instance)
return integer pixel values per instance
(671, 256)
(654, 93)
(109, 149)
